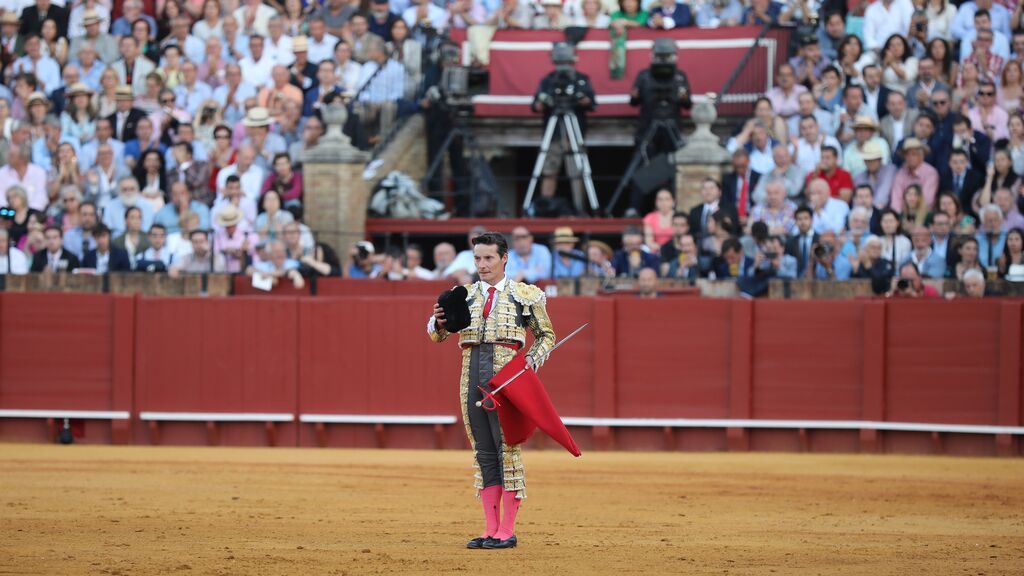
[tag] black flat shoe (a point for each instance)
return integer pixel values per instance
(498, 544)
(477, 543)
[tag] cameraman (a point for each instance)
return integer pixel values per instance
(564, 90)
(439, 104)
(660, 91)
(828, 263)
(772, 262)
(909, 285)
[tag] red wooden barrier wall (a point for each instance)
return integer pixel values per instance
(935, 362)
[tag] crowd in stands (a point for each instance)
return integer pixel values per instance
(167, 135)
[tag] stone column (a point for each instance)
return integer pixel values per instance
(335, 196)
(702, 156)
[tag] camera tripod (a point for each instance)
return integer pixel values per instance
(569, 126)
(460, 129)
(640, 154)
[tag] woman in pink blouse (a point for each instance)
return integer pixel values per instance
(658, 224)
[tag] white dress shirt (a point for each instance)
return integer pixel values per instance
(18, 263)
(251, 180)
(321, 50)
(256, 74)
(832, 217)
(881, 21)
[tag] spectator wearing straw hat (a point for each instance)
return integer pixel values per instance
(568, 261)
(914, 171)
(103, 43)
(878, 173)
(125, 116)
(11, 43)
(233, 238)
(865, 130)
(257, 134)
(303, 72)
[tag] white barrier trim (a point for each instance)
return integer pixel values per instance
(374, 419)
(523, 100)
(216, 417)
(538, 45)
(73, 414)
(792, 424)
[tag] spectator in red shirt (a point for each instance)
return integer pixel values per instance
(840, 183)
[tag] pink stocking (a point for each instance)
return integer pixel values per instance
(508, 522)
(491, 499)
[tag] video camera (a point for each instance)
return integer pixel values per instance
(563, 96)
(7, 213)
(665, 90)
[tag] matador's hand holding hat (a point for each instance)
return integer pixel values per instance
(456, 309)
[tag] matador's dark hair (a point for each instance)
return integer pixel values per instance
(492, 239)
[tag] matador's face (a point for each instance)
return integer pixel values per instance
(489, 264)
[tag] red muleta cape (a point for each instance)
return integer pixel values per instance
(524, 406)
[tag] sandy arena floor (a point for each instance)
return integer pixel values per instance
(116, 510)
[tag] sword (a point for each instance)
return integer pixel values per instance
(490, 395)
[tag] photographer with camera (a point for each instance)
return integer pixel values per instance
(771, 261)
(564, 96)
(661, 91)
(829, 264)
(909, 285)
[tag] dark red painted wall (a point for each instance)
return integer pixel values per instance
(939, 362)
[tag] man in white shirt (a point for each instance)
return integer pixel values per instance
(963, 23)
(250, 175)
(254, 17)
(191, 93)
(46, 69)
(388, 86)
(232, 195)
(829, 213)
(983, 21)
(127, 197)
(278, 45)
(12, 260)
(759, 148)
(257, 66)
(463, 263)
(807, 149)
(232, 94)
(158, 250)
(884, 18)
(20, 171)
(347, 69)
(321, 44)
(104, 135)
(806, 106)
(425, 11)
(192, 47)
